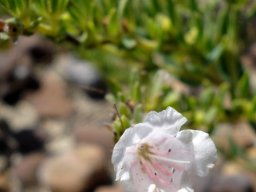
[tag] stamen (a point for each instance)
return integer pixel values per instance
(169, 160)
(160, 167)
(147, 169)
(152, 174)
(162, 153)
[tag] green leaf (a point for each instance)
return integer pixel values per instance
(172, 11)
(124, 110)
(129, 43)
(121, 7)
(215, 54)
(243, 89)
(138, 113)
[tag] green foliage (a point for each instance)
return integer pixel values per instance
(199, 43)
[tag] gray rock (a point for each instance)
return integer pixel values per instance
(78, 170)
(82, 74)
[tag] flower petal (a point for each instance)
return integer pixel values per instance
(125, 176)
(185, 136)
(168, 119)
(139, 178)
(204, 149)
(170, 159)
(186, 189)
(128, 186)
(152, 188)
(129, 137)
(205, 152)
(154, 156)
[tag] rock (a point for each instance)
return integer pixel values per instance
(18, 88)
(244, 135)
(110, 189)
(38, 49)
(90, 125)
(4, 183)
(5, 144)
(231, 169)
(27, 168)
(241, 133)
(60, 144)
(22, 141)
(4, 162)
(252, 153)
(17, 72)
(16, 75)
(29, 141)
(232, 184)
(237, 169)
(16, 82)
(83, 75)
(226, 176)
(22, 116)
(51, 100)
(57, 131)
(95, 135)
(78, 170)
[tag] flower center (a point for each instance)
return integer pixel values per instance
(158, 164)
(144, 151)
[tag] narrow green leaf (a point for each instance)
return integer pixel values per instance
(121, 7)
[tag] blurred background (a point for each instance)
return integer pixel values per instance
(75, 74)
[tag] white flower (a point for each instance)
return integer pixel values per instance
(154, 156)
